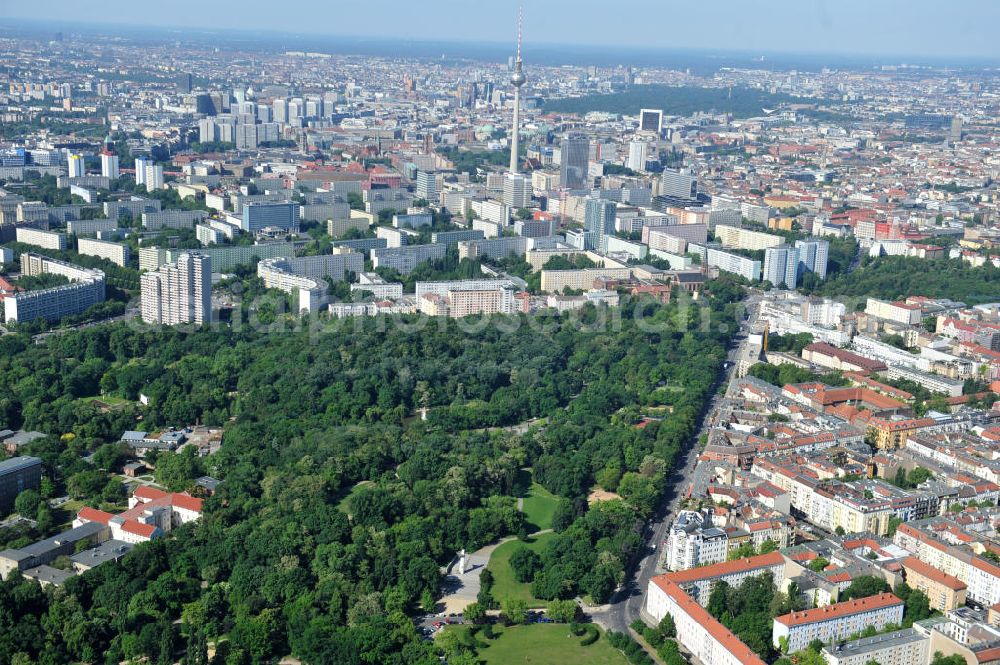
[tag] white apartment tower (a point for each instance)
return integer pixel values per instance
(179, 293)
(109, 165)
(638, 153)
(516, 190)
(154, 177)
(76, 166)
(140, 169)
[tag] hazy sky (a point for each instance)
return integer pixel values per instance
(903, 27)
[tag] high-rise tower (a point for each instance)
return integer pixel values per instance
(517, 79)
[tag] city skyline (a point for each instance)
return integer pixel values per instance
(819, 28)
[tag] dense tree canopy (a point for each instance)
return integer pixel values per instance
(338, 507)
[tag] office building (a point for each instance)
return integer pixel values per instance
(651, 120)
(140, 169)
(183, 83)
(16, 475)
(813, 256)
(679, 184)
(516, 190)
(77, 167)
(154, 177)
(116, 252)
(781, 266)
(86, 289)
(638, 154)
(955, 130)
(427, 186)
(179, 292)
(574, 161)
(262, 215)
(794, 631)
(599, 219)
(109, 164)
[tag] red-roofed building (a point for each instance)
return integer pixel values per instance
(151, 514)
(88, 514)
(945, 592)
(793, 632)
(697, 630)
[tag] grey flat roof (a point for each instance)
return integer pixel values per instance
(110, 550)
(73, 535)
(18, 464)
(22, 438)
(48, 574)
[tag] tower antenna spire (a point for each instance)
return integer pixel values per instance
(520, 19)
(517, 79)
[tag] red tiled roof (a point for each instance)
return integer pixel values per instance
(139, 529)
(149, 493)
(89, 514)
(187, 502)
(719, 633)
(726, 568)
(921, 568)
(839, 610)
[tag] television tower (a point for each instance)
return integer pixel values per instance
(517, 79)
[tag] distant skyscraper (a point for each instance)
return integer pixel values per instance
(781, 266)
(517, 79)
(427, 186)
(599, 216)
(573, 169)
(109, 164)
(154, 177)
(955, 132)
(76, 166)
(280, 108)
(813, 255)
(516, 190)
(183, 83)
(140, 169)
(679, 184)
(179, 293)
(651, 120)
(638, 153)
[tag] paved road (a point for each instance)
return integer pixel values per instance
(627, 603)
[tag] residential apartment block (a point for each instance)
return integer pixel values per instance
(116, 252)
(793, 632)
(179, 292)
(86, 289)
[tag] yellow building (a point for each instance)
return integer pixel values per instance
(945, 592)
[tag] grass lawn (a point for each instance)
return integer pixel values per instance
(505, 587)
(539, 503)
(543, 644)
(344, 504)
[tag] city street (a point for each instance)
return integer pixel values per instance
(627, 603)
